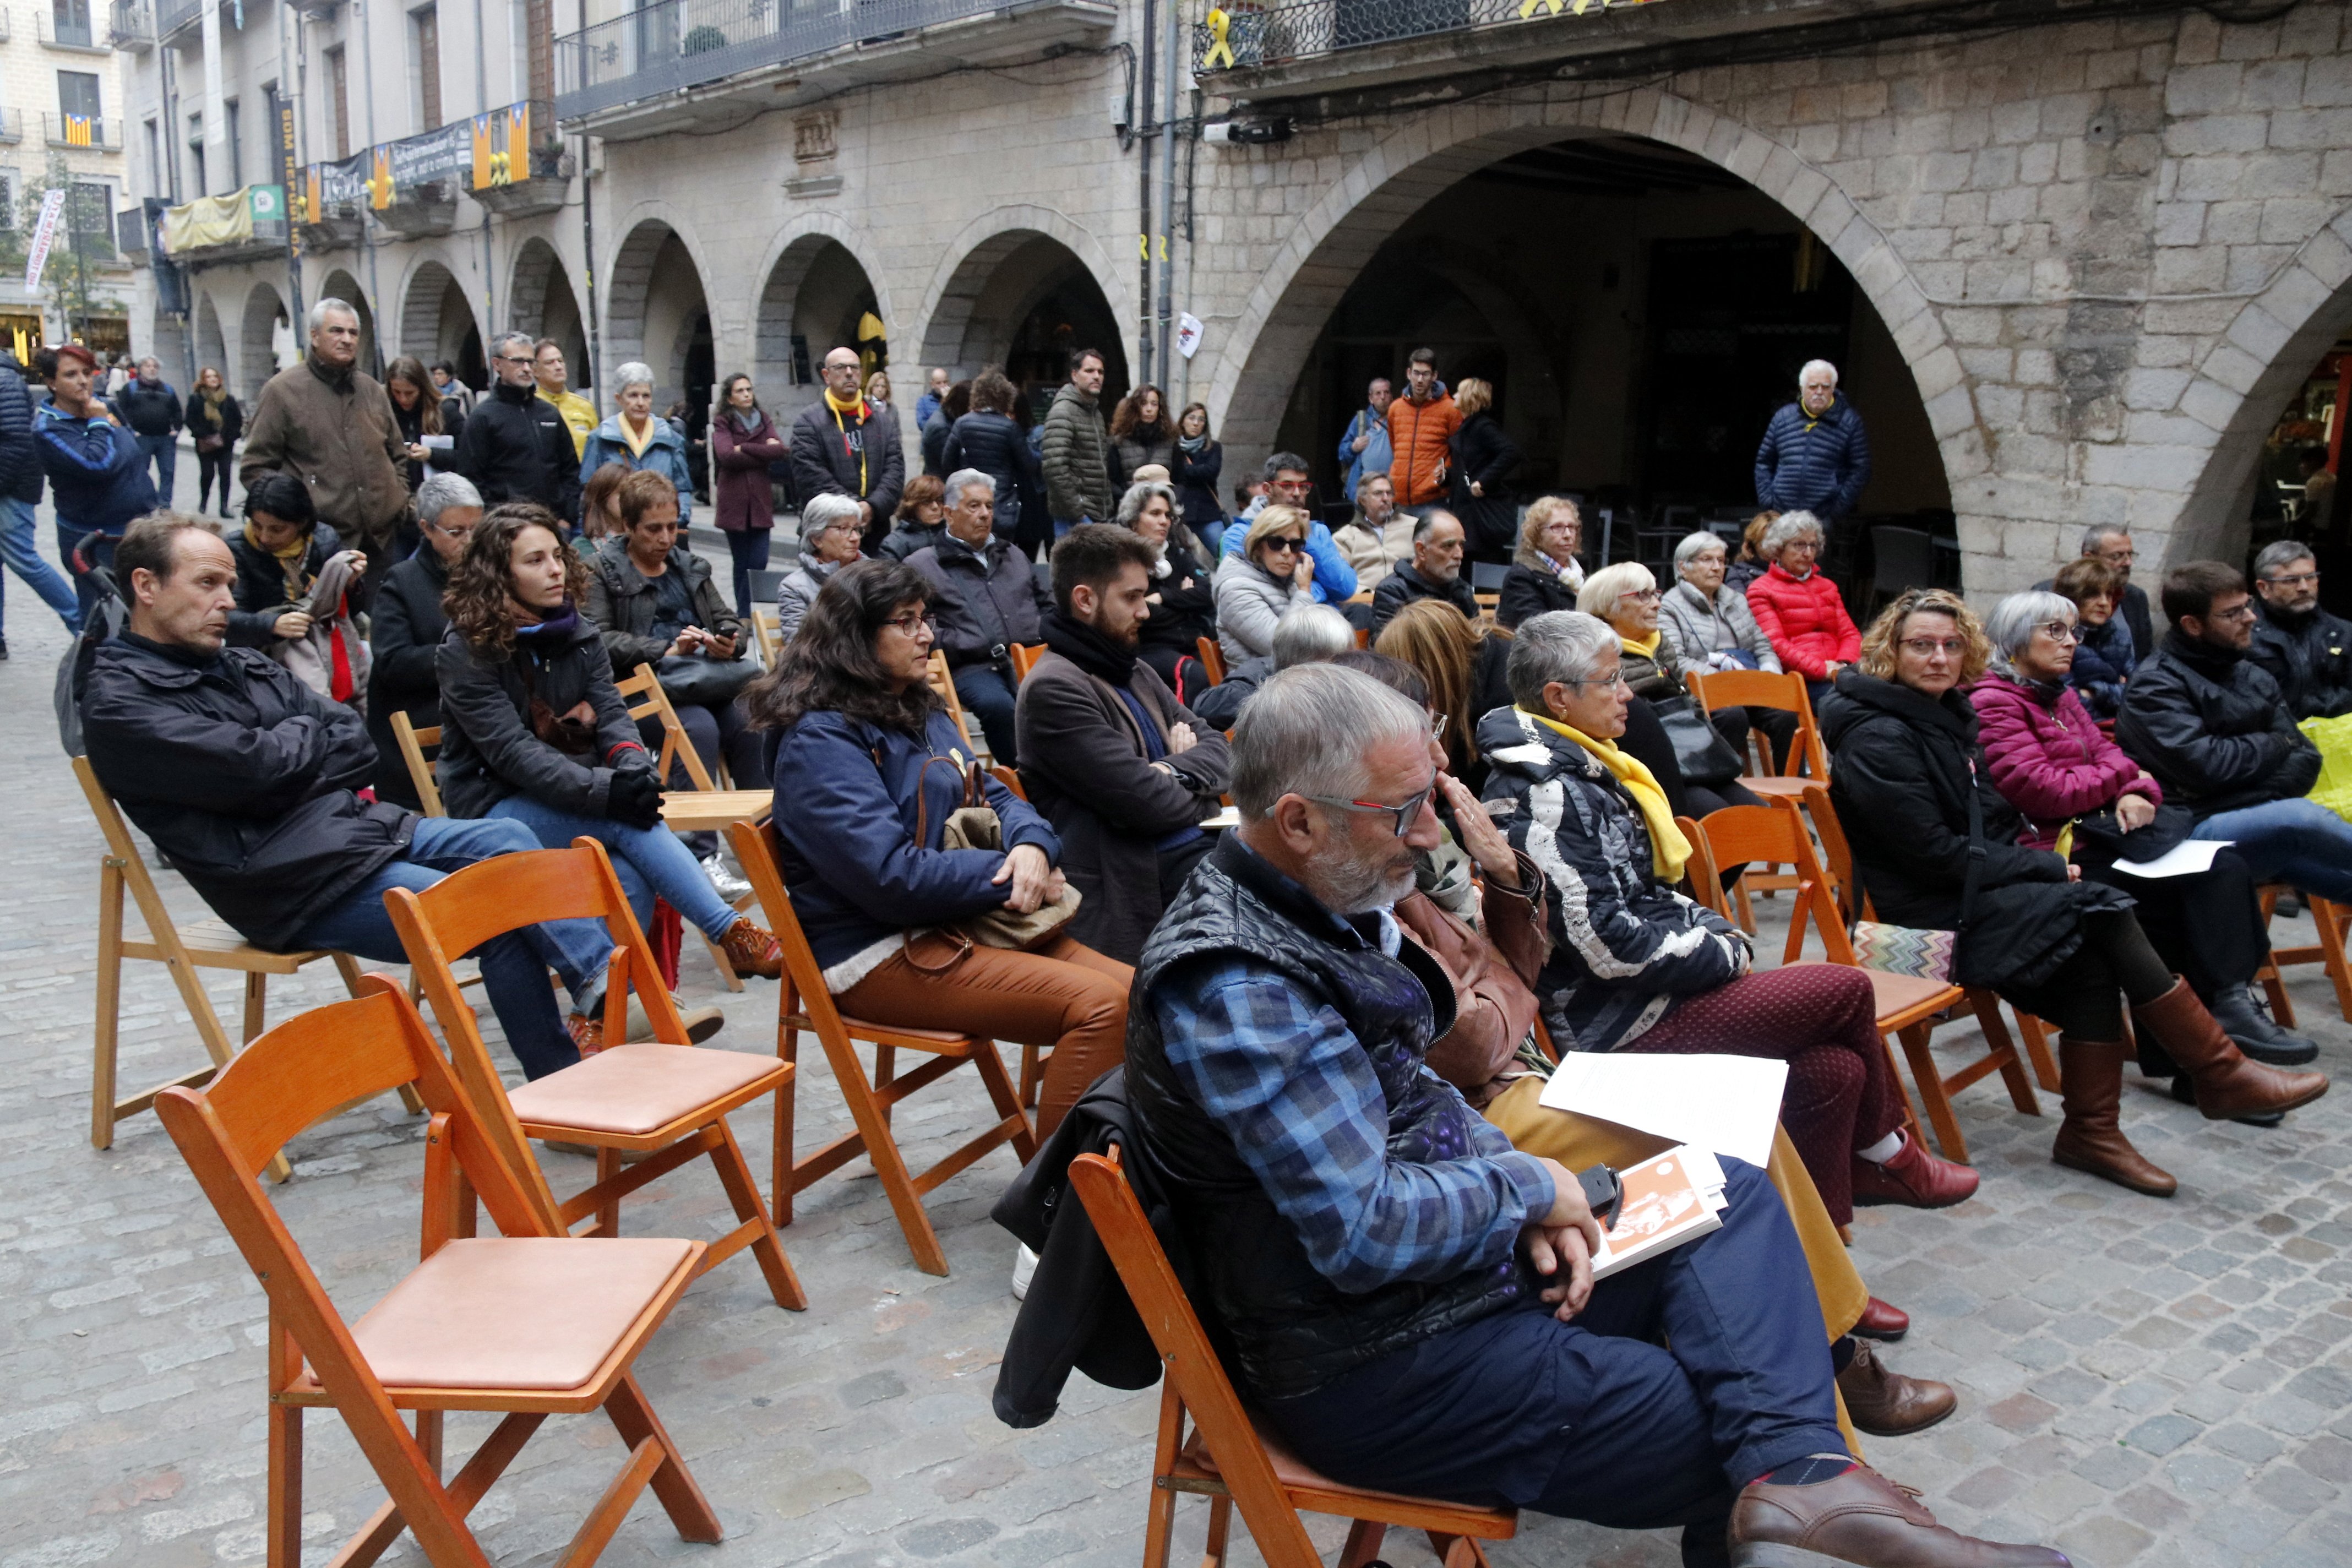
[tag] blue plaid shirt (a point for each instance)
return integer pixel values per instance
(1285, 1077)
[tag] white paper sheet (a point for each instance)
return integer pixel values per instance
(438, 443)
(1228, 817)
(2187, 858)
(1727, 1104)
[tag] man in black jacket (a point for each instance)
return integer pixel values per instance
(843, 445)
(516, 446)
(2306, 650)
(1434, 573)
(2213, 728)
(152, 410)
(244, 776)
(20, 493)
(406, 624)
(988, 598)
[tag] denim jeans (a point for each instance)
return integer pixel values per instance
(649, 861)
(164, 451)
(2299, 842)
(749, 548)
(987, 694)
(24, 558)
(514, 967)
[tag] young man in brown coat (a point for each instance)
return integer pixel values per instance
(1124, 772)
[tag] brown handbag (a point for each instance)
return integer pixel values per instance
(974, 825)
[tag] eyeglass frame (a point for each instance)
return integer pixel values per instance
(1922, 647)
(1405, 814)
(2061, 631)
(906, 624)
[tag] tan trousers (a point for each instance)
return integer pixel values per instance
(1577, 1142)
(1064, 994)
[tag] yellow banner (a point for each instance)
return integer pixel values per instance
(208, 220)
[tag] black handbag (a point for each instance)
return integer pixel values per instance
(693, 682)
(2100, 838)
(1701, 753)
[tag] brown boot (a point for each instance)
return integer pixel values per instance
(752, 949)
(2227, 1083)
(1859, 1517)
(1885, 1404)
(2090, 1138)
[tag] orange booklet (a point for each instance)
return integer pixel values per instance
(1670, 1199)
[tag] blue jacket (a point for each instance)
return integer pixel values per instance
(2103, 661)
(1334, 580)
(665, 456)
(20, 460)
(846, 815)
(1813, 465)
(1375, 458)
(97, 467)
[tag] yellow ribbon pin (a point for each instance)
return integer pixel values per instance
(1219, 24)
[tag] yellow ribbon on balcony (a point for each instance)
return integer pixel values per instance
(1219, 24)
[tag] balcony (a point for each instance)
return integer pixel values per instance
(132, 25)
(11, 126)
(84, 130)
(684, 63)
(222, 229)
(170, 16)
(58, 34)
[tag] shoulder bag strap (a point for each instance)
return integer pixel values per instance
(1977, 853)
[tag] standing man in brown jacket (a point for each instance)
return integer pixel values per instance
(332, 428)
(1123, 772)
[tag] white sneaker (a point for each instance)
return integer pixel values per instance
(730, 886)
(1024, 1265)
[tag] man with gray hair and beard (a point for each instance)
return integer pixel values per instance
(1408, 1300)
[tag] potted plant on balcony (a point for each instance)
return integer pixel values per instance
(702, 39)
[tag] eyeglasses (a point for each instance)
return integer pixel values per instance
(2245, 612)
(1641, 596)
(840, 369)
(910, 624)
(1614, 678)
(1437, 726)
(511, 359)
(1285, 545)
(2059, 631)
(1928, 648)
(447, 532)
(2294, 580)
(1405, 814)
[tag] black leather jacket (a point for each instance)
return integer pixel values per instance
(980, 612)
(2310, 657)
(2211, 726)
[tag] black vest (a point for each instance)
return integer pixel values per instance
(1292, 1329)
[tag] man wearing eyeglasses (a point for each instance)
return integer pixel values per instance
(845, 446)
(2113, 544)
(2306, 650)
(515, 444)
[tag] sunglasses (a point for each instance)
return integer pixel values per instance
(1285, 545)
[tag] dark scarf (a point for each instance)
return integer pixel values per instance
(2218, 664)
(553, 631)
(1089, 648)
(339, 377)
(1193, 445)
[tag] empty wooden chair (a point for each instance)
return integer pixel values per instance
(413, 743)
(803, 1003)
(664, 1100)
(1224, 1454)
(530, 1323)
(183, 950)
(1760, 688)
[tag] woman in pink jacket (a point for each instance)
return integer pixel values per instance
(2050, 761)
(1800, 611)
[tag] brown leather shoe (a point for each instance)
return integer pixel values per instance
(1885, 1404)
(752, 949)
(2227, 1085)
(1880, 1323)
(2091, 1139)
(1861, 1518)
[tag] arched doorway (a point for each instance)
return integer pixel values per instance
(1024, 299)
(661, 314)
(212, 348)
(265, 327)
(437, 322)
(540, 301)
(341, 285)
(816, 297)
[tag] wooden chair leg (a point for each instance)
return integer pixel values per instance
(2036, 1035)
(1364, 1538)
(672, 1485)
(1160, 1512)
(285, 1523)
(735, 1175)
(1930, 1082)
(1457, 1551)
(780, 1157)
(873, 1123)
(256, 1005)
(2012, 1071)
(1033, 1075)
(2274, 987)
(2328, 917)
(1220, 1528)
(1894, 1075)
(109, 1006)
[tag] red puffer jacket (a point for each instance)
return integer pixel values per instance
(2050, 760)
(1806, 620)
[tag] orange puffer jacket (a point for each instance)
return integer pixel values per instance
(1418, 434)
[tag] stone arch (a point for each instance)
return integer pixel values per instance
(265, 316)
(1380, 188)
(541, 300)
(211, 346)
(957, 318)
(654, 285)
(436, 315)
(340, 285)
(816, 279)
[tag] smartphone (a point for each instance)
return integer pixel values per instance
(1602, 1194)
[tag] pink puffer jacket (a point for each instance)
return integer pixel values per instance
(2050, 761)
(1805, 620)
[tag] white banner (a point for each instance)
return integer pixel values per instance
(52, 203)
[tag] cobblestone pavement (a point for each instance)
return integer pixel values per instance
(2159, 1383)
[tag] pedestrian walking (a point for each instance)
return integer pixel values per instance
(149, 406)
(743, 442)
(20, 493)
(214, 421)
(96, 470)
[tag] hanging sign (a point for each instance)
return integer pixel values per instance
(1188, 334)
(52, 203)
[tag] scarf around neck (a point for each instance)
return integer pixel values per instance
(1669, 850)
(1193, 444)
(289, 559)
(637, 443)
(1089, 648)
(551, 630)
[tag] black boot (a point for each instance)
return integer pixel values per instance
(2241, 1011)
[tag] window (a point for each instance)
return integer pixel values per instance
(338, 103)
(196, 154)
(11, 184)
(235, 146)
(78, 94)
(425, 66)
(70, 18)
(90, 218)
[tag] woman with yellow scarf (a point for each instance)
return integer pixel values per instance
(1635, 965)
(1627, 596)
(635, 437)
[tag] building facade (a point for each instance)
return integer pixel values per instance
(2081, 260)
(61, 128)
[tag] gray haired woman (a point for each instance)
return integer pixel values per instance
(1183, 596)
(633, 438)
(1710, 621)
(831, 526)
(1800, 611)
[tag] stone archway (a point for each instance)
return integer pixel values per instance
(540, 301)
(815, 293)
(654, 296)
(265, 316)
(990, 301)
(436, 317)
(212, 347)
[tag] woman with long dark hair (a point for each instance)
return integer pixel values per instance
(1140, 431)
(868, 768)
(743, 442)
(1193, 465)
(416, 406)
(532, 729)
(215, 422)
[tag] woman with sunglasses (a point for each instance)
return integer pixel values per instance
(1260, 583)
(1936, 846)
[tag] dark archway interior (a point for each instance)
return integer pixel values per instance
(1071, 314)
(1641, 313)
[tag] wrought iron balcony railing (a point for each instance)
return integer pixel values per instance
(83, 130)
(133, 24)
(1244, 37)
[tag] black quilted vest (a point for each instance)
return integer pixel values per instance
(1292, 1329)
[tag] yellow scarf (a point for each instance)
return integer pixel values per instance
(637, 442)
(1669, 850)
(290, 559)
(1648, 649)
(856, 406)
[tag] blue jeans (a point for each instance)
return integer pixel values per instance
(649, 861)
(164, 451)
(24, 558)
(2299, 842)
(514, 965)
(987, 695)
(749, 547)
(87, 592)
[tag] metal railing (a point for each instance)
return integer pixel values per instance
(1275, 35)
(83, 130)
(72, 34)
(133, 24)
(676, 44)
(170, 16)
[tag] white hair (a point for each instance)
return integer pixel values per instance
(2101, 531)
(1694, 546)
(2015, 619)
(963, 479)
(636, 373)
(329, 307)
(825, 511)
(1310, 634)
(1604, 593)
(503, 339)
(1813, 364)
(1308, 732)
(1786, 528)
(1565, 645)
(442, 491)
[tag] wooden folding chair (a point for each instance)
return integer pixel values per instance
(413, 742)
(1227, 1456)
(2331, 922)
(941, 680)
(530, 1322)
(1211, 659)
(767, 637)
(183, 950)
(645, 699)
(665, 1098)
(805, 1003)
(1762, 688)
(1024, 656)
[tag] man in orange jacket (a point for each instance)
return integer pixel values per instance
(1421, 423)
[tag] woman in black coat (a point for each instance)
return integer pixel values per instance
(1545, 574)
(1183, 592)
(1194, 467)
(406, 624)
(1935, 845)
(990, 439)
(1482, 461)
(279, 555)
(215, 422)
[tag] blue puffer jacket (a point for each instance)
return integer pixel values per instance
(20, 461)
(97, 467)
(665, 455)
(2103, 662)
(1813, 465)
(1000, 448)
(847, 810)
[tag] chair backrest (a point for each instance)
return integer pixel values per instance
(1775, 835)
(1211, 659)
(490, 897)
(1901, 558)
(1762, 688)
(645, 698)
(413, 742)
(1700, 871)
(767, 637)
(1026, 655)
(1486, 577)
(1191, 1364)
(941, 680)
(764, 583)
(803, 978)
(1011, 779)
(1853, 903)
(125, 850)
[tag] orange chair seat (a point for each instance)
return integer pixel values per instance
(1895, 993)
(539, 1313)
(1771, 784)
(634, 1090)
